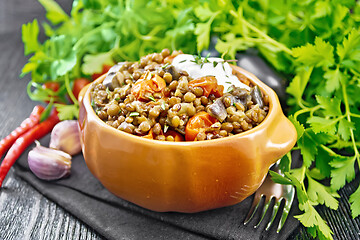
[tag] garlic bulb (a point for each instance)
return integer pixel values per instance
(49, 164)
(65, 136)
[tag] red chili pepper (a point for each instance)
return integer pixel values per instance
(28, 123)
(37, 132)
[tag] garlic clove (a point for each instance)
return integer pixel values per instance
(49, 164)
(65, 136)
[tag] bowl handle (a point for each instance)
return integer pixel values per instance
(282, 138)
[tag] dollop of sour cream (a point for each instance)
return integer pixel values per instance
(222, 71)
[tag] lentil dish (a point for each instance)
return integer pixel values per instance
(154, 99)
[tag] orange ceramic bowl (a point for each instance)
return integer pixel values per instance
(184, 176)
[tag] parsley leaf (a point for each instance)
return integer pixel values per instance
(321, 194)
(93, 62)
(331, 106)
(355, 203)
(67, 112)
(54, 12)
(343, 171)
(319, 54)
(30, 34)
(333, 79)
(349, 46)
(320, 124)
(298, 126)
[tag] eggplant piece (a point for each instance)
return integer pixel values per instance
(256, 96)
(217, 110)
(240, 95)
(111, 80)
(174, 73)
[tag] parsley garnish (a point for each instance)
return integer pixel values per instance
(165, 66)
(152, 98)
(230, 89)
(166, 127)
(163, 106)
(134, 114)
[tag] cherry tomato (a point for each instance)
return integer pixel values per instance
(105, 69)
(78, 85)
(197, 123)
(53, 86)
(150, 135)
(209, 85)
(146, 86)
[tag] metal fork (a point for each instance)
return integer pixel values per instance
(270, 190)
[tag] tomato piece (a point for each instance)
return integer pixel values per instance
(197, 123)
(209, 85)
(177, 136)
(53, 86)
(147, 85)
(78, 85)
(105, 69)
(150, 135)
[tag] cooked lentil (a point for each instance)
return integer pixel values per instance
(150, 97)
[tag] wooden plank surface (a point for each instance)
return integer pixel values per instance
(25, 213)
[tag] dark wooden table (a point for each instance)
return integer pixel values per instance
(27, 214)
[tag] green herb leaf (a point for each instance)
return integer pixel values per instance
(93, 62)
(343, 171)
(152, 98)
(134, 114)
(344, 129)
(30, 32)
(331, 106)
(167, 64)
(298, 126)
(321, 194)
(355, 203)
(54, 12)
(319, 54)
(333, 79)
(311, 219)
(67, 112)
(163, 107)
(279, 179)
(320, 124)
(166, 127)
(46, 113)
(349, 45)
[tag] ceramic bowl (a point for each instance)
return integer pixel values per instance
(184, 176)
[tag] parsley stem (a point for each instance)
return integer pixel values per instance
(355, 115)
(348, 115)
(328, 150)
(304, 110)
(68, 89)
(86, 36)
(266, 37)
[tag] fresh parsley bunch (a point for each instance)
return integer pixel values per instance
(97, 33)
(315, 44)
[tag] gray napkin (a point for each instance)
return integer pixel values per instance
(83, 195)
